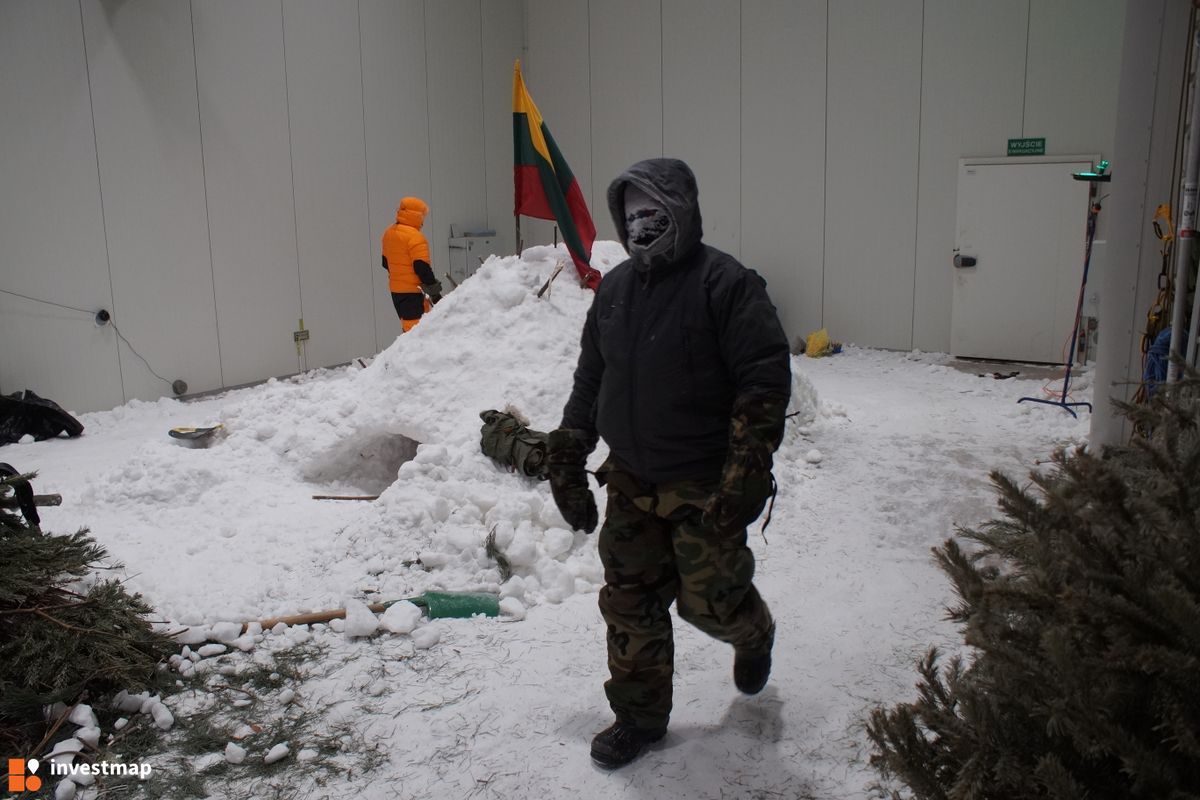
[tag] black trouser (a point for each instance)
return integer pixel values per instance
(409, 307)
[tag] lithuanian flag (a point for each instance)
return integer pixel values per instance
(544, 186)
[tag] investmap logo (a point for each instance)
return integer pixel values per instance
(21, 776)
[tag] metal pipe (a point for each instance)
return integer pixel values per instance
(1192, 330)
(1186, 236)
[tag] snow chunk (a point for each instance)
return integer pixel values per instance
(299, 634)
(360, 620)
(512, 607)
(83, 716)
(193, 635)
(245, 642)
(211, 650)
(401, 617)
(433, 559)
(235, 754)
(83, 778)
(162, 715)
(89, 736)
(427, 637)
(514, 587)
(276, 753)
(557, 541)
(225, 631)
(66, 747)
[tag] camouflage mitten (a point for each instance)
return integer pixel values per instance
(755, 431)
(566, 457)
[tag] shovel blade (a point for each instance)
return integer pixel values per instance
(457, 605)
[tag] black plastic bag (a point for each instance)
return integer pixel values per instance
(24, 413)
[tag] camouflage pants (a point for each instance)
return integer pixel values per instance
(656, 550)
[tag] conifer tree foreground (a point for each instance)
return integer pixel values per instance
(1081, 606)
(60, 641)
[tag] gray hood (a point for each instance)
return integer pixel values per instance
(672, 184)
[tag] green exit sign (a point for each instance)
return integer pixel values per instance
(1027, 147)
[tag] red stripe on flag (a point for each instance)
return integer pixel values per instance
(529, 196)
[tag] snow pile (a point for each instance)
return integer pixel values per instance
(232, 533)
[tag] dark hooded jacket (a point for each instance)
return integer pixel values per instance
(671, 340)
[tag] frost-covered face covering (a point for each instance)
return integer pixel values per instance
(646, 222)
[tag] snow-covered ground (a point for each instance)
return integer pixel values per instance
(890, 452)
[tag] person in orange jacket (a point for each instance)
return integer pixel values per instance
(406, 259)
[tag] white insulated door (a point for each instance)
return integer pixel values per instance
(1024, 222)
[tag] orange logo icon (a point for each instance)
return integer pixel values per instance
(18, 781)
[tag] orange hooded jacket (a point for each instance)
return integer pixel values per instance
(404, 245)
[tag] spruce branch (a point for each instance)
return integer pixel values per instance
(1080, 610)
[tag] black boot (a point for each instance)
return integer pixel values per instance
(620, 743)
(752, 668)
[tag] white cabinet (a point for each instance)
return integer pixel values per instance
(467, 252)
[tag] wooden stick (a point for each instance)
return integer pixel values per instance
(314, 617)
(553, 275)
(42, 609)
(54, 728)
(38, 500)
(56, 621)
(345, 497)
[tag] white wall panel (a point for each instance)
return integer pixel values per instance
(325, 105)
(627, 95)
(783, 154)
(1074, 67)
(556, 70)
(397, 128)
(702, 108)
(453, 36)
(503, 36)
(51, 223)
(874, 101)
(143, 80)
(965, 112)
(248, 175)
(1154, 52)
(824, 147)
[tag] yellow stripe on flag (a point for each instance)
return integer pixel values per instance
(523, 104)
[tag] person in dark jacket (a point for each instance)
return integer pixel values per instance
(685, 372)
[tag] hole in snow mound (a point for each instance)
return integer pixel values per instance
(368, 462)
